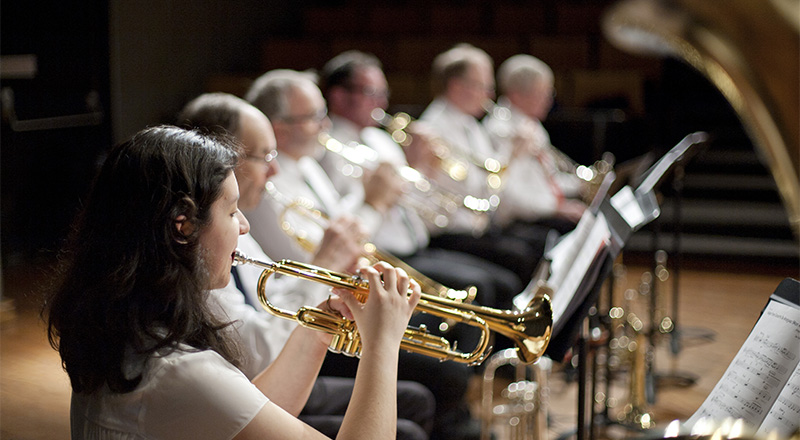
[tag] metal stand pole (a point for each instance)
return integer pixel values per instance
(582, 346)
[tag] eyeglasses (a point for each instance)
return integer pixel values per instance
(369, 91)
(264, 160)
(317, 116)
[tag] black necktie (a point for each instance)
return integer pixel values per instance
(238, 281)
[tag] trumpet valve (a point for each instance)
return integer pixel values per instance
(346, 339)
(347, 342)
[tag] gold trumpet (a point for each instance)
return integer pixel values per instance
(370, 252)
(591, 176)
(455, 165)
(529, 329)
(428, 199)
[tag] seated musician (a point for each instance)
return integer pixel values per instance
(147, 357)
(463, 78)
(354, 86)
(262, 334)
(297, 111)
(542, 186)
(295, 106)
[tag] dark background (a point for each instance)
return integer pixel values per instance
(134, 64)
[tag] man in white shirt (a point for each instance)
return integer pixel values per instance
(354, 86)
(298, 114)
(463, 78)
(294, 104)
(542, 185)
(263, 335)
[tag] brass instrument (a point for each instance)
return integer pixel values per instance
(429, 200)
(530, 329)
(370, 252)
(591, 176)
(634, 351)
(749, 50)
(454, 164)
(524, 416)
(636, 412)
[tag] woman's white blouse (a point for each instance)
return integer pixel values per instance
(183, 395)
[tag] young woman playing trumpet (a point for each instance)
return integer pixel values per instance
(145, 355)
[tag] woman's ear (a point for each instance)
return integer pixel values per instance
(185, 228)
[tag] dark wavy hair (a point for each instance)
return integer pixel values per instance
(131, 283)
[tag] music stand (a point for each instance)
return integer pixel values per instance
(617, 218)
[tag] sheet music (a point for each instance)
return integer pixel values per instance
(564, 296)
(564, 253)
(763, 377)
(785, 413)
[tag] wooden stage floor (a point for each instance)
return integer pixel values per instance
(717, 309)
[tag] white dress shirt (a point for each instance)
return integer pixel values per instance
(402, 231)
(466, 138)
(303, 179)
(533, 183)
(183, 394)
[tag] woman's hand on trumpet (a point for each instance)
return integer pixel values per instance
(383, 318)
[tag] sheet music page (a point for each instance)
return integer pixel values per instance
(598, 236)
(759, 373)
(564, 253)
(784, 416)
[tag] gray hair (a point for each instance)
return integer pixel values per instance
(454, 63)
(522, 71)
(215, 112)
(270, 92)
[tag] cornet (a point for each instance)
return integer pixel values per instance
(453, 164)
(370, 252)
(590, 177)
(425, 197)
(530, 329)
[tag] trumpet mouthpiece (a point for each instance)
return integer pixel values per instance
(239, 257)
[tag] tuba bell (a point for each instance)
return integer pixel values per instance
(749, 50)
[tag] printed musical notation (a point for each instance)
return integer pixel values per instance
(773, 347)
(762, 383)
(784, 415)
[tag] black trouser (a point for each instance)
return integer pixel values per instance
(329, 399)
(510, 252)
(446, 380)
